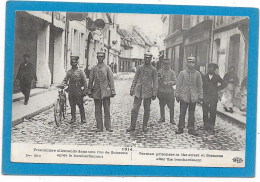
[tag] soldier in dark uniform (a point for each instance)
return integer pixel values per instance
(76, 79)
(26, 74)
(167, 79)
(144, 88)
(101, 88)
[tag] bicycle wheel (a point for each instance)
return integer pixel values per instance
(65, 108)
(57, 112)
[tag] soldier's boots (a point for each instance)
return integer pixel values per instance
(145, 121)
(172, 121)
(83, 120)
(73, 120)
(161, 120)
(179, 131)
(192, 132)
(99, 130)
(110, 130)
(133, 123)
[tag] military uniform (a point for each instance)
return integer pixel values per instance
(101, 88)
(167, 80)
(77, 80)
(144, 87)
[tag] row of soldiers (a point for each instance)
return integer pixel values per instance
(147, 85)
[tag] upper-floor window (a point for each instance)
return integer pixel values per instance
(186, 21)
(220, 20)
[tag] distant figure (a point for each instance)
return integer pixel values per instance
(144, 88)
(115, 68)
(87, 71)
(243, 90)
(210, 97)
(26, 74)
(101, 88)
(189, 91)
(112, 67)
(76, 80)
(166, 80)
(231, 80)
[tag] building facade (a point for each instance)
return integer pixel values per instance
(230, 45)
(42, 36)
(218, 39)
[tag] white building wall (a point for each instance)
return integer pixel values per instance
(77, 42)
(42, 69)
(224, 49)
(137, 51)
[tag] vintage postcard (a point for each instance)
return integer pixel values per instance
(143, 88)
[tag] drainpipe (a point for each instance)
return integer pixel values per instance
(211, 42)
(108, 43)
(66, 41)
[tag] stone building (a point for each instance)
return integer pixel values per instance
(42, 36)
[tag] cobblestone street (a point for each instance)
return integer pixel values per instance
(41, 129)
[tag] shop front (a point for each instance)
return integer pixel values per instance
(174, 50)
(197, 43)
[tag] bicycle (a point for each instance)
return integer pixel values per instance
(60, 106)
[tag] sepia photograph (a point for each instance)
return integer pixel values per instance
(104, 89)
(129, 89)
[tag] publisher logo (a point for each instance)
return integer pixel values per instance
(237, 160)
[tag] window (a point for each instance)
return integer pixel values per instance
(186, 21)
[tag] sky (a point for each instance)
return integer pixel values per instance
(149, 23)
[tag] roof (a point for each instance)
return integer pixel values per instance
(142, 35)
(125, 38)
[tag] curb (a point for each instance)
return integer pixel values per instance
(34, 94)
(20, 120)
(232, 120)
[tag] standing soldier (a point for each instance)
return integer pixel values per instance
(76, 79)
(101, 88)
(167, 80)
(189, 90)
(210, 97)
(144, 87)
(26, 74)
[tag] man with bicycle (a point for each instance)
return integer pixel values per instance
(76, 79)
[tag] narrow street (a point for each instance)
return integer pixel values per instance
(41, 129)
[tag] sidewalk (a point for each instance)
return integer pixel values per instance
(40, 100)
(19, 96)
(237, 116)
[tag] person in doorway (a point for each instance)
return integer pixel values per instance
(76, 79)
(144, 88)
(189, 91)
(231, 80)
(115, 68)
(210, 97)
(26, 74)
(166, 80)
(101, 88)
(243, 90)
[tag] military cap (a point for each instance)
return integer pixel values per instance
(166, 61)
(101, 53)
(191, 58)
(74, 57)
(213, 65)
(148, 54)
